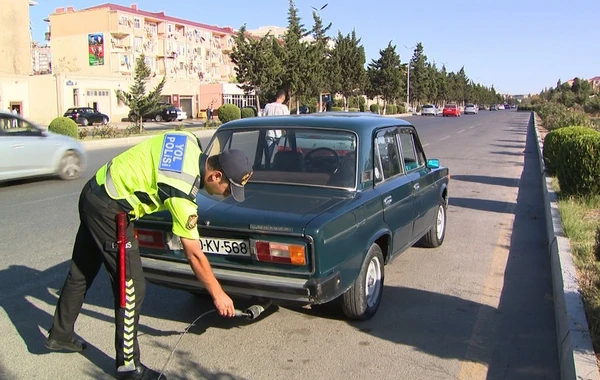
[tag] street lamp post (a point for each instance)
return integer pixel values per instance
(408, 78)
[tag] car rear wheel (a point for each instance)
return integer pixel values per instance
(435, 237)
(85, 122)
(362, 300)
(69, 166)
(158, 118)
(104, 121)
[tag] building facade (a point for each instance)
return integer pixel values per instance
(98, 48)
(41, 59)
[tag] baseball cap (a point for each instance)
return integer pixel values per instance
(237, 168)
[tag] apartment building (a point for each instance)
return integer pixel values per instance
(41, 59)
(94, 51)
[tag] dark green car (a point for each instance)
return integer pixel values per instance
(331, 200)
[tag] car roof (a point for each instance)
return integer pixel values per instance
(356, 121)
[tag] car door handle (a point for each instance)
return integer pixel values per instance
(387, 200)
(18, 146)
(416, 186)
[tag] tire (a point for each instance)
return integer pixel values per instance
(104, 121)
(70, 167)
(356, 302)
(435, 236)
(158, 118)
(85, 122)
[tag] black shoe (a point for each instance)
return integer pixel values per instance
(72, 345)
(140, 373)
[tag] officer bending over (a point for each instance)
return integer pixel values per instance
(162, 173)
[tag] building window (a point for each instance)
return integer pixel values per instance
(169, 28)
(137, 22)
(149, 62)
(123, 20)
(138, 44)
(152, 27)
(97, 92)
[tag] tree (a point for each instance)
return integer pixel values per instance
(347, 66)
(139, 102)
(257, 66)
(385, 74)
(419, 76)
(320, 56)
(297, 57)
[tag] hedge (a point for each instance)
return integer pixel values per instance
(374, 108)
(228, 112)
(553, 142)
(248, 112)
(578, 165)
(64, 126)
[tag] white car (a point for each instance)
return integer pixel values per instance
(429, 110)
(181, 114)
(500, 106)
(471, 109)
(28, 150)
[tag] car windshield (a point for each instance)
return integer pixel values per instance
(294, 155)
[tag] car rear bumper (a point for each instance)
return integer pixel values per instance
(179, 275)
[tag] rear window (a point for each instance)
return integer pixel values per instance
(450, 105)
(294, 156)
(470, 105)
(427, 106)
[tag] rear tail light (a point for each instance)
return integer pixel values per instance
(280, 253)
(150, 238)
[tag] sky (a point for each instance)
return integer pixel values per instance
(519, 47)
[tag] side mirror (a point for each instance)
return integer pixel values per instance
(433, 163)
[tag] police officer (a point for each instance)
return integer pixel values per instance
(162, 173)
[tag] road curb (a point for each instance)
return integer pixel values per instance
(123, 141)
(575, 350)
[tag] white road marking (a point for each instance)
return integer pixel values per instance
(461, 131)
(444, 138)
(424, 145)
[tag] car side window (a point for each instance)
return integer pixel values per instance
(412, 154)
(387, 155)
(11, 126)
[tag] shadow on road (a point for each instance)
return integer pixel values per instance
(488, 180)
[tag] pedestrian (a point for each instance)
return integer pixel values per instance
(162, 173)
(209, 112)
(272, 109)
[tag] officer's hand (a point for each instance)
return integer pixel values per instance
(224, 304)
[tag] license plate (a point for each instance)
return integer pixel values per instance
(219, 246)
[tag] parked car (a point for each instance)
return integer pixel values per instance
(29, 150)
(429, 110)
(340, 196)
(451, 109)
(493, 107)
(164, 112)
(86, 116)
(181, 114)
(471, 109)
(501, 106)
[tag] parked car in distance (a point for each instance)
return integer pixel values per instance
(181, 114)
(340, 196)
(501, 106)
(429, 110)
(164, 112)
(28, 150)
(493, 107)
(451, 109)
(86, 116)
(471, 109)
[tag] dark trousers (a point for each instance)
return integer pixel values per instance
(96, 244)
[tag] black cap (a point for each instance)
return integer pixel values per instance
(237, 168)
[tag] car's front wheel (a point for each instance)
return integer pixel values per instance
(435, 237)
(70, 166)
(104, 121)
(158, 118)
(85, 122)
(362, 300)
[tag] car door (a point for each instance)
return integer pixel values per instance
(24, 151)
(423, 184)
(394, 187)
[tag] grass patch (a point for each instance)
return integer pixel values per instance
(581, 223)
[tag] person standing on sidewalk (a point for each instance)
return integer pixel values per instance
(164, 172)
(272, 109)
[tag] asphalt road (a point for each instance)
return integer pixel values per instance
(479, 307)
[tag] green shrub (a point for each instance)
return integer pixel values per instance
(390, 109)
(553, 141)
(578, 165)
(248, 112)
(556, 115)
(228, 112)
(353, 109)
(64, 126)
(374, 108)
(401, 109)
(337, 109)
(362, 108)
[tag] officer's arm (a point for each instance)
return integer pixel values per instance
(184, 213)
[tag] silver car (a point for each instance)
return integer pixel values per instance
(471, 109)
(28, 150)
(429, 110)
